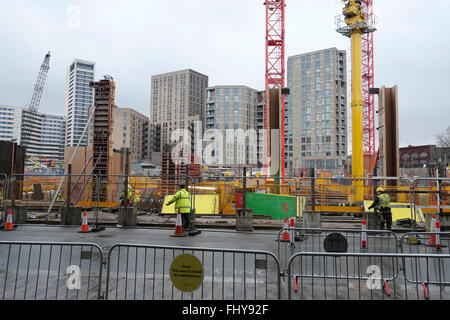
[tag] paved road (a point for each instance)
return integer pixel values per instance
(157, 236)
(143, 272)
(40, 272)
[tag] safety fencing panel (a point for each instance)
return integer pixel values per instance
(432, 192)
(50, 271)
(333, 240)
(366, 276)
(44, 188)
(431, 199)
(4, 184)
(147, 272)
(48, 194)
(430, 272)
(425, 243)
(337, 194)
(146, 193)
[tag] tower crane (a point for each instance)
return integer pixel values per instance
(368, 79)
(275, 79)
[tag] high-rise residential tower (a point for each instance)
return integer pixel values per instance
(229, 109)
(316, 111)
(79, 98)
(176, 99)
(130, 130)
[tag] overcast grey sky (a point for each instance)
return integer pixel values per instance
(133, 39)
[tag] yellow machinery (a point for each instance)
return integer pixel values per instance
(356, 26)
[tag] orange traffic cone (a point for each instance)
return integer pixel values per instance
(432, 239)
(285, 236)
(84, 225)
(178, 227)
(9, 223)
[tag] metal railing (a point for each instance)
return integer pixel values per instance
(366, 276)
(324, 194)
(431, 193)
(50, 271)
(424, 243)
(74, 271)
(142, 272)
(43, 187)
(4, 189)
(323, 240)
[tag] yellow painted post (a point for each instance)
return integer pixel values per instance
(357, 110)
(356, 26)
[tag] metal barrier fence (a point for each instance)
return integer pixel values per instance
(142, 272)
(432, 196)
(50, 271)
(4, 185)
(44, 187)
(224, 195)
(424, 243)
(334, 240)
(329, 191)
(376, 276)
(74, 271)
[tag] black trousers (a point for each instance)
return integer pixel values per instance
(386, 213)
(185, 219)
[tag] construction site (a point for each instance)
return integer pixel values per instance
(95, 188)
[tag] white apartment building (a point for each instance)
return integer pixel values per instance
(46, 140)
(79, 98)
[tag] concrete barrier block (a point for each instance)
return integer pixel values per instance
(311, 220)
(244, 219)
(71, 218)
(373, 221)
(131, 217)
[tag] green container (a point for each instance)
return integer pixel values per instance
(271, 205)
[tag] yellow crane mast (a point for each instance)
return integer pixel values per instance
(355, 26)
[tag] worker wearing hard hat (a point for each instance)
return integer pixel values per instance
(182, 201)
(382, 205)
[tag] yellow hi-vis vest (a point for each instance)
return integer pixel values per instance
(182, 201)
(384, 201)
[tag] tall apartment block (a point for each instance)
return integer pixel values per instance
(10, 123)
(130, 130)
(316, 114)
(176, 99)
(46, 141)
(260, 124)
(79, 98)
(228, 109)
